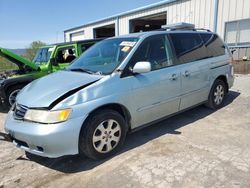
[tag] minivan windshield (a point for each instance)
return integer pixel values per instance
(104, 57)
(42, 55)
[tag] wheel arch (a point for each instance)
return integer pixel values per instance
(17, 81)
(121, 109)
(224, 79)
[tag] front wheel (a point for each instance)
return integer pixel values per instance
(12, 94)
(217, 95)
(102, 135)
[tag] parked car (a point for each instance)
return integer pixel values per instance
(117, 86)
(48, 59)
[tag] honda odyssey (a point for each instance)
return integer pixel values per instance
(117, 86)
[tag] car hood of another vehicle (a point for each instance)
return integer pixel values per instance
(18, 60)
(44, 92)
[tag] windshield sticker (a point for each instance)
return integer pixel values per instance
(128, 43)
(125, 48)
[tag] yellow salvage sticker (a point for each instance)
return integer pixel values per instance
(125, 48)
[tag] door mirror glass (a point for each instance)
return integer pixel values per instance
(142, 67)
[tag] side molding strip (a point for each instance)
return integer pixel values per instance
(219, 66)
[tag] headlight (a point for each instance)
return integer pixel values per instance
(44, 116)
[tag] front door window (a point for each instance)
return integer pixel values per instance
(65, 55)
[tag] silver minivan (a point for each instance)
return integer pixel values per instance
(117, 86)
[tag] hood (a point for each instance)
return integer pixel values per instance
(18, 60)
(44, 92)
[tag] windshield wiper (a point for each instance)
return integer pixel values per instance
(82, 70)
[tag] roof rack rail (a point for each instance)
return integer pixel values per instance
(182, 26)
(202, 29)
(179, 26)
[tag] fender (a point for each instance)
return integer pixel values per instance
(6, 84)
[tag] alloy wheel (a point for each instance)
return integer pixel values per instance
(219, 94)
(106, 136)
(12, 96)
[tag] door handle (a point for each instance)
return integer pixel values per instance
(174, 77)
(186, 74)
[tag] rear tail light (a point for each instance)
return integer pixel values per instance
(231, 60)
(232, 70)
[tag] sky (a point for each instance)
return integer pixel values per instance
(24, 21)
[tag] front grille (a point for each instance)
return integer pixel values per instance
(19, 111)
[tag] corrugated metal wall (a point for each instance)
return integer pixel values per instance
(199, 12)
(88, 31)
(230, 10)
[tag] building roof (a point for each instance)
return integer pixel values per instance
(123, 14)
(76, 42)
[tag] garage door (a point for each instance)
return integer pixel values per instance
(148, 23)
(77, 36)
(104, 31)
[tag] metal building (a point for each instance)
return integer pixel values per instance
(229, 18)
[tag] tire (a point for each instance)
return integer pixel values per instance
(102, 134)
(217, 95)
(11, 95)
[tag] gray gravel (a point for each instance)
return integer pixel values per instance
(198, 148)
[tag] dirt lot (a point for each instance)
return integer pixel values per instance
(198, 148)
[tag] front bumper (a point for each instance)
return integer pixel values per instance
(47, 140)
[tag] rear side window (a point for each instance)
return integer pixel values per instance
(188, 47)
(215, 46)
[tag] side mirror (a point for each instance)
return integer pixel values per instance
(233, 50)
(142, 67)
(53, 61)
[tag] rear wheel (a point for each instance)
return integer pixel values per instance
(102, 135)
(217, 95)
(12, 94)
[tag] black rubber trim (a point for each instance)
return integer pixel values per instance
(69, 93)
(6, 137)
(219, 66)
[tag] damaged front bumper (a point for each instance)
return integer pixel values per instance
(47, 140)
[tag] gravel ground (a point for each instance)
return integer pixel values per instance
(198, 148)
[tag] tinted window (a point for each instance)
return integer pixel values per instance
(188, 47)
(84, 47)
(155, 50)
(215, 46)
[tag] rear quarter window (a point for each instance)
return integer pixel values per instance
(215, 46)
(188, 47)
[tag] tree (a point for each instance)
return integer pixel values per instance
(31, 51)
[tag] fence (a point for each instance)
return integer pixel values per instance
(242, 67)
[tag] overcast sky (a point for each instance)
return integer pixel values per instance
(24, 21)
